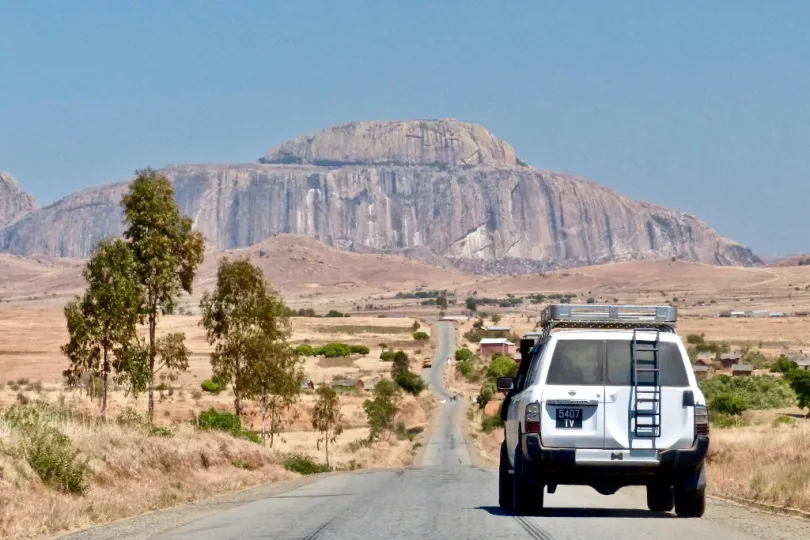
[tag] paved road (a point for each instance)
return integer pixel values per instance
(444, 499)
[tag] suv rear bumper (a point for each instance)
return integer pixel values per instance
(559, 466)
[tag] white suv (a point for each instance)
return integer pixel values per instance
(605, 396)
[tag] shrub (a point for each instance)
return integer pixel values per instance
(464, 354)
(304, 464)
(729, 404)
(334, 313)
(49, 452)
(466, 367)
(161, 387)
(212, 386)
(491, 423)
(758, 392)
(784, 365)
(410, 382)
(304, 350)
(335, 350)
(359, 349)
(213, 419)
(387, 356)
(420, 336)
(502, 366)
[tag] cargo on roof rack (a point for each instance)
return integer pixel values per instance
(608, 316)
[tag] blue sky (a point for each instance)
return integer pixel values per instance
(699, 106)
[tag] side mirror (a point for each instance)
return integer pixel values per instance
(505, 384)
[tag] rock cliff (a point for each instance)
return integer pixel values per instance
(14, 202)
(440, 191)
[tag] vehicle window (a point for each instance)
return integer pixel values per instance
(531, 377)
(619, 364)
(577, 362)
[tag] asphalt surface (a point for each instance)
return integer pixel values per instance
(445, 498)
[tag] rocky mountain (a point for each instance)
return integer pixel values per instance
(14, 202)
(441, 191)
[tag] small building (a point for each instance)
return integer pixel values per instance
(759, 313)
(701, 372)
(738, 314)
(802, 360)
(729, 359)
(742, 370)
(490, 346)
(724, 314)
(454, 318)
(776, 314)
(349, 383)
(704, 359)
(498, 328)
(801, 314)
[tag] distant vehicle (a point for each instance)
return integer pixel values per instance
(426, 363)
(607, 401)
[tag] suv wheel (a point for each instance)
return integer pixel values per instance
(690, 504)
(660, 498)
(504, 480)
(527, 493)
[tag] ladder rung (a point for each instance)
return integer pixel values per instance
(647, 413)
(647, 369)
(648, 400)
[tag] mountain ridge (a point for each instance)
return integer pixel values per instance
(441, 191)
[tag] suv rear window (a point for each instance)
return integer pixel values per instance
(578, 362)
(620, 364)
(596, 362)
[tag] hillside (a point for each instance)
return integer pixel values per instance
(441, 191)
(294, 265)
(14, 202)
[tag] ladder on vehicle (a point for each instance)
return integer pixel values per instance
(646, 384)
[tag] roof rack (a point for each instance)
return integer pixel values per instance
(606, 316)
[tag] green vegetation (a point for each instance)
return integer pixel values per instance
(421, 336)
(465, 362)
(382, 410)
(758, 392)
(304, 464)
(244, 320)
(49, 453)
(326, 417)
(334, 313)
(216, 420)
(103, 322)
(331, 350)
(213, 386)
(500, 366)
(406, 379)
(167, 253)
(491, 423)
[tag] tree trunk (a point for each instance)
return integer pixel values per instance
(105, 371)
(326, 440)
(152, 353)
(272, 410)
(264, 420)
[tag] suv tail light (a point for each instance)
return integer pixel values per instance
(701, 420)
(532, 419)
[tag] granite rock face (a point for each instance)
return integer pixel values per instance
(411, 188)
(14, 202)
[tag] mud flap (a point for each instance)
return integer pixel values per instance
(693, 480)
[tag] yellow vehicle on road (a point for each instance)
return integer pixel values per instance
(426, 363)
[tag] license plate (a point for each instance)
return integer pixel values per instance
(569, 418)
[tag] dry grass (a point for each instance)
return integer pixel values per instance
(132, 473)
(764, 463)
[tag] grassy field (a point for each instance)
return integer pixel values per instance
(133, 471)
